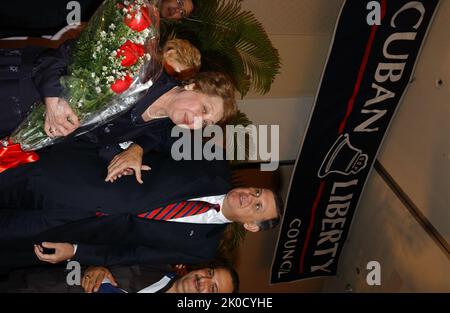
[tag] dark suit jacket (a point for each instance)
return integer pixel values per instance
(26, 76)
(29, 74)
(52, 279)
(58, 199)
(129, 126)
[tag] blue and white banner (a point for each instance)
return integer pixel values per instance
(369, 66)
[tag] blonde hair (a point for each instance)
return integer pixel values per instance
(186, 54)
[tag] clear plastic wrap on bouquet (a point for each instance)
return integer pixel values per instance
(114, 61)
(122, 102)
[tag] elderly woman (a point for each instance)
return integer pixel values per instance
(206, 99)
(33, 73)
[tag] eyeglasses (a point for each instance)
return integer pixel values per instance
(210, 275)
(181, 9)
(210, 272)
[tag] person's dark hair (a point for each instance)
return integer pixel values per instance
(272, 223)
(227, 266)
(196, 5)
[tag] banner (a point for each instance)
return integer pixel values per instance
(370, 63)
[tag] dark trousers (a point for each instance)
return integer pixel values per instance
(23, 213)
(17, 90)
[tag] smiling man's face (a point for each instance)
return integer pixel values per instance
(205, 280)
(249, 206)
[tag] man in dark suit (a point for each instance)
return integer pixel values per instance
(63, 201)
(216, 277)
(209, 278)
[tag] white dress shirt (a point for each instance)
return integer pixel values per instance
(210, 216)
(153, 288)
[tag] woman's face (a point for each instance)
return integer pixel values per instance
(194, 110)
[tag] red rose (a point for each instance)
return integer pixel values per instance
(131, 52)
(139, 49)
(139, 20)
(121, 85)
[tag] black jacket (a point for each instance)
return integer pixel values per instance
(53, 279)
(59, 199)
(29, 74)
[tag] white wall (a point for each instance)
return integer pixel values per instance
(384, 231)
(301, 31)
(291, 114)
(417, 150)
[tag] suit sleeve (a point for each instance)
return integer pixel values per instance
(52, 64)
(159, 140)
(109, 255)
(149, 142)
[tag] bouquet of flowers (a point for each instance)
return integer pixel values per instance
(113, 61)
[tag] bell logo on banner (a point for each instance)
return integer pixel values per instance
(343, 159)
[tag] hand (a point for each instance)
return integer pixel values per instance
(59, 118)
(63, 251)
(181, 269)
(126, 163)
(93, 278)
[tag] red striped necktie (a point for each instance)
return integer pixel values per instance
(179, 209)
